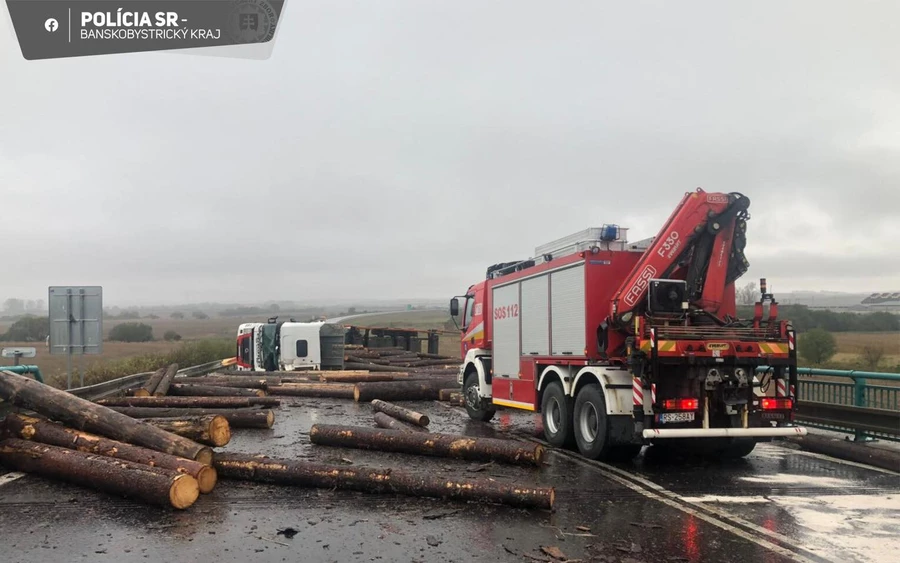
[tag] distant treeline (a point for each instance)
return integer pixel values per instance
(803, 318)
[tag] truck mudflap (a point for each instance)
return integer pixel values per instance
(658, 433)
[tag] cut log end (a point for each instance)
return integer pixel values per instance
(184, 491)
(270, 418)
(206, 479)
(142, 393)
(356, 393)
(260, 393)
(204, 456)
(539, 458)
(219, 431)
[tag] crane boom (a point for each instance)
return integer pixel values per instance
(702, 243)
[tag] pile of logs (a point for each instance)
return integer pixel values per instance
(78, 441)
(399, 360)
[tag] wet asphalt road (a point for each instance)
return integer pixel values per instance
(776, 505)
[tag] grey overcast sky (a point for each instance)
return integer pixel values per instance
(397, 148)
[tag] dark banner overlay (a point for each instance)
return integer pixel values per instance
(51, 29)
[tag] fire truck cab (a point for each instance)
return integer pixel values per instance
(621, 344)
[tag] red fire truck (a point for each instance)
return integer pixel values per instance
(622, 344)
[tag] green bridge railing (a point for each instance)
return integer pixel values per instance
(858, 406)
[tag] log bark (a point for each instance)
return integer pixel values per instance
(400, 413)
(185, 390)
(374, 367)
(433, 444)
(367, 361)
(456, 399)
(342, 378)
(221, 381)
(150, 484)
(212, 430)
(46, 432)
(163, 388)
(191, 402)
(385, 421)
(150, 386)
(334, 390)
(85, 415)
(237, 418)
(379, 481)
(399, 390)
(444, 394)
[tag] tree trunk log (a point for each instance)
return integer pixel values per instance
(379, 481)
(400, 413)
(434, 444)
(399, 390)
(456, 399)
(341, 378)
(163, 388)
(150, 484)
(85, 415)
(237, 418)
(46, 432)
(385, 421)
(334, 390)
(223, 381)
(374, 367)
(184, 390)
(212, 430)
(191, 402)
(373, 360)
(444, 394)
(150, 386)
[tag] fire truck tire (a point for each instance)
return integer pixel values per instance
(476, 406)
(556, 415)
(591, 423)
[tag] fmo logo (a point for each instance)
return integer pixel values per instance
(639, 285)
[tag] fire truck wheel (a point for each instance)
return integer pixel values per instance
(591, 423)
(556, 415)
(475, 405)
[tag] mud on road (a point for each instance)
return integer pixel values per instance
(777, 505)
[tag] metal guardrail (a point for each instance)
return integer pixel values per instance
(853, 405)
(113, 386)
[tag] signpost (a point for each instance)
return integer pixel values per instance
(18, 353)
(76, 324)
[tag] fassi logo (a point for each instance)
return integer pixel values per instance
(639, 285)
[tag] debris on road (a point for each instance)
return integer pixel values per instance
(320, 390)
(190, 402)
(53, 434)
(154, 485)
(384, 421)
(192, 390)
(400, 413)
(150, 386)
(212, 430)
(432, 444)
(414, 390)
(378, 481)
(252, 417)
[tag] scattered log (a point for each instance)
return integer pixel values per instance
(385, 421)
(163, 388)
(379, 481)
(223, 381)
(150, 386)
(373, 367)
(237, 418)
(185, 390)
(46, 432)
(399, 390)
(334, 390)
(435, 357)
(341, 378)
(85, 415)
(434, 444)
(444, 394)
(150, 484)
(400, 413)
(212, 430)
(363, 360)
(456, 399)
(191, 402)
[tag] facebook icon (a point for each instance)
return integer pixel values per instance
(51, 25)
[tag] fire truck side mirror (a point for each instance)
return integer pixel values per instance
(454, 307)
